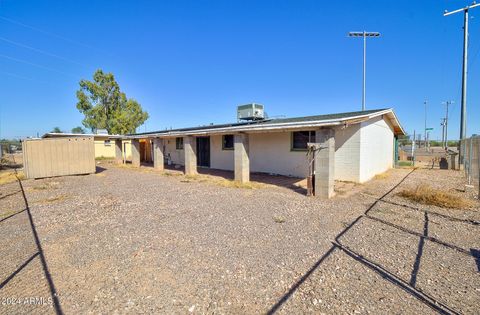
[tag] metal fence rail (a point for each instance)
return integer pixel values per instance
(471, 147)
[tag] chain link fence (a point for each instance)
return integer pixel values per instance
(471, 147)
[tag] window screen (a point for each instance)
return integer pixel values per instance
(179, 143)
(301, 138)
(227, 142)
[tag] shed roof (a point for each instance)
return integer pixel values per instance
(67, 134)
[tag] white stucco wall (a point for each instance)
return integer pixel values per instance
(361, 151)
(177, 156)
(270, 153)
(220, 159)
(376, 148)
(347, 153)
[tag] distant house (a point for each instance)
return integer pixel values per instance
(104, 143)
(364, 141)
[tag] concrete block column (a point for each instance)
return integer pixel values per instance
(158, 154)
(118, 151)
(325, 163)
(136, 152)
(241, 158)
(190, 151)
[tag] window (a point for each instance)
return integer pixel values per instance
(106, 143)
(227, 142)
(179, 143)
(301, 138)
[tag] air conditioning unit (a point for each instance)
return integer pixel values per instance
(251, 111)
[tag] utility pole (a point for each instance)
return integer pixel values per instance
(413, 149)
(364, 34)
(443, 132)
(425, 129)
(447, 104)
(463, 110)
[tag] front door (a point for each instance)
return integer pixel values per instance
(203, 151)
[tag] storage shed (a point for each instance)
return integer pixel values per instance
(58, 156)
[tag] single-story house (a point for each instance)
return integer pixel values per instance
(353, 146)
(104, 144)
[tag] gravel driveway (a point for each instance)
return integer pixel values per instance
(130, 241)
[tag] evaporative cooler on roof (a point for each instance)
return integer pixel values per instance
(251, 111)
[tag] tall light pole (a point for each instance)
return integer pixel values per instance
(364, 34)
(463, 111)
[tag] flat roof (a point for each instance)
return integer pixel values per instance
(283, 123)
(265, 125)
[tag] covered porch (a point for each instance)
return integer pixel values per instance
(195, 154)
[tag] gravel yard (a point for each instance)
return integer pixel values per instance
(136, 241)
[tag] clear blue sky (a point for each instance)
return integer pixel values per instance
(192, 62)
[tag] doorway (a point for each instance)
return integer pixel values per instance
(203, 151)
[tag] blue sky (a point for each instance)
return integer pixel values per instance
(192, 62)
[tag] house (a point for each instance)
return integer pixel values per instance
(353, 146)
(103, 142)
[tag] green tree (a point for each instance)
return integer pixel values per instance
(57, 130)
(78, 130)
(106, 107)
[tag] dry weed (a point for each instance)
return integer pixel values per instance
(383, 175)
(45, 186)
(427, 195)
(9, 176)
(52, 199)
(279, 219)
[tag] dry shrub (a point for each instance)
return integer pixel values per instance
(237, 184)
(279, 219)
(47, 185)
(384, 175)
(9, 176)
(221, 182)
(429, 196)
(52, 199)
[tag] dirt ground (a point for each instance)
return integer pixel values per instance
(137, 241)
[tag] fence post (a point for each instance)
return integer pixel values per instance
(470, 156)
(478, 165)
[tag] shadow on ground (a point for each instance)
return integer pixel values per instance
(423, 252)
(23, 262)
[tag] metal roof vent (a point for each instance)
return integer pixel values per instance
(251, 111)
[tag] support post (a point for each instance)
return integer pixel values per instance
(325, 163)
(118, 151)
(241, 158)
(158, 154)
(190, 151)
(136, 152)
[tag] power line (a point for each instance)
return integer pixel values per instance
(14, 75)
(46, 32)
(46, 53)
(35, 65)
